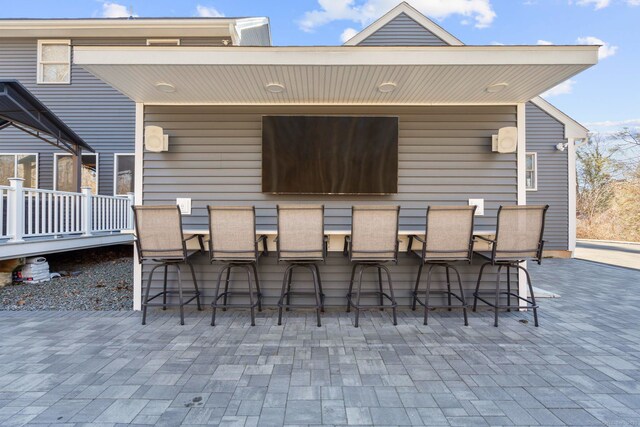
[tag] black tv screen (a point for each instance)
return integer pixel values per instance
(329, 155)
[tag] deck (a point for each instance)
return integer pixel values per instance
(36, 221)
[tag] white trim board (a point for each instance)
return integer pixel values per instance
(33, 246)
(522, 185)
(139, 162)
(584, 55)
(124, 27)
(572, 194)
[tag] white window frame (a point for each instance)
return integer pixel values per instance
(55, 169)
(163, 42)
(15, 164)
(40, 63)
(535, 171)
(115, 170)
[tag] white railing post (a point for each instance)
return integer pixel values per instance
(87, 215)
(131, 202)
(15, 210)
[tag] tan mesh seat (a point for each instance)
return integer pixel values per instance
(448, 238)
(302, 244)
(373, 242)
(159, 239)
(232, 241)
(519, 237)
(301, 233)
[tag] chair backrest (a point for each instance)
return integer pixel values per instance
(159, 232)
(232, 233)
(374, 233)
(519, 232)
(300, 232)
(449, 233)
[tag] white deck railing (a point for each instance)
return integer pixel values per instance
(30, 212)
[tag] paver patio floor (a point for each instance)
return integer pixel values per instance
(581, 367)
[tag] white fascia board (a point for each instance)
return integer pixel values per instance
(407, 9)
(114, 27)
(572, 129)
(360, 55)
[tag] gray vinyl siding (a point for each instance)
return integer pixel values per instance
(543, 133)
(101, 115)
(403, 31)
(445, 157)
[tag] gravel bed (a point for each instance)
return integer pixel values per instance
(100, 279)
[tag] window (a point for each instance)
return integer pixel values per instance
(532, 171)
(20, 165)
(124, 179)
(64, 172)
(54, 62)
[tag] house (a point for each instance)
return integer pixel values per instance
(38, 53)
(450, 99)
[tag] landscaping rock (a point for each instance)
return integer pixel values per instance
(99, 279)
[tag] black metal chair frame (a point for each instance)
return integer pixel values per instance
(166, 262)
(530, 303)
(249, 265)
(447, 265)
(311, 265)
(360, 265)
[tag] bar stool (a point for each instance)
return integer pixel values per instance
(448, 239)
(232, 241)
(372, 244)
(301, 243)
(518, 238)
(159, 239)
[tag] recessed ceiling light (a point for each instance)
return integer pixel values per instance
(165, 87)
(387, 87)
(274, 87)
(496, 87)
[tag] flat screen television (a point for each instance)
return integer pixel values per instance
(329, 155)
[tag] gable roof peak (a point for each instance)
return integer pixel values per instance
(414, 14)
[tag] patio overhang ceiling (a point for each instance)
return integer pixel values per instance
(335, 75)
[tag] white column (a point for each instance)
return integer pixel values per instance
(15, 210)
(130, 204)
(522, 184)
(87, 211)
(572, 193)
(139, 151)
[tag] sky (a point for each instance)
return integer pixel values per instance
(605, 97)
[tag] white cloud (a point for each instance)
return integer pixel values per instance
(366, 11)
(562, 89)
(605, 51)
(633, 2)
(115, 10)
(347, 34)
(497, 44)
(597, 4)
(208, 12)
(615, 123)
(544, 43)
